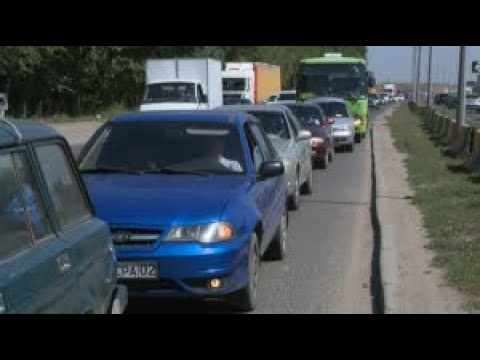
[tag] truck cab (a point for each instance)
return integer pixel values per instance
(179, 94)
(182, 84)
(237, 79)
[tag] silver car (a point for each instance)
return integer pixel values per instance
(343, 128)
(472, 102)
(291, 143)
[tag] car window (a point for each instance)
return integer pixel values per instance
(14, 230)
(294, 124)
(274, 123)
(30, 192)
(287, 96)
(68, 201)
(254, 148)
(334, 109)
(308, 116)
(268, 153)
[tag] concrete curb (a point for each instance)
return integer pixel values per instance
(387, 245)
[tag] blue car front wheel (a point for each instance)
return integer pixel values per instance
(245, 299)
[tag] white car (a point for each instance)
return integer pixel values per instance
(472, 102)
(288, 96)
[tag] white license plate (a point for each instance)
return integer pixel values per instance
(137, 270)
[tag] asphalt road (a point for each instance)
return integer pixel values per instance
(327, 269)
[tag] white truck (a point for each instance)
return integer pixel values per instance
(254, 82)
(3, 105)
(390, 89)
(182, 84)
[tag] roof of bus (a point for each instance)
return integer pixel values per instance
(333, 60)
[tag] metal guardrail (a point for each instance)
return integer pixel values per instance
(471, 118)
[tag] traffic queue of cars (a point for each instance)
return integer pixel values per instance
(166, 203)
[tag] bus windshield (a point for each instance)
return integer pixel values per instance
(333, 79)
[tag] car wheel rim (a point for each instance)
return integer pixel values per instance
(254, 272)
(297, 189)
(284, 232)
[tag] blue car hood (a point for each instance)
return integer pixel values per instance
(161, 200)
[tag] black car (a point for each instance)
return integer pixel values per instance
(441, 99)
(452, 101)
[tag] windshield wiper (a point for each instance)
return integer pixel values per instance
(168, 170)
(106, 170)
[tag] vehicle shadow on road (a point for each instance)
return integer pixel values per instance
(177, 306)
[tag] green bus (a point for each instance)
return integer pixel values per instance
(336, 76)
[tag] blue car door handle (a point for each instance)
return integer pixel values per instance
(64, 263)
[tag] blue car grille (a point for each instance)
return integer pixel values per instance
(135, 237)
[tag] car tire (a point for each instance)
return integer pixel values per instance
(294, 200)
(245, 299)
(350, 148)
(278, 248)
(324, 162)
(307, 187)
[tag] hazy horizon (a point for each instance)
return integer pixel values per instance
(394, 63)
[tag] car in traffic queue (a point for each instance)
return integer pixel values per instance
(440, 99)
(343, 128)
(374, 101)
(193, 199)
(452, 101)
(313, 119)
(290, 141)
(56, 257)
(271, 100)
(472, 102)
(286, 97)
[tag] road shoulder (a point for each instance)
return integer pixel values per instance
(411, 284)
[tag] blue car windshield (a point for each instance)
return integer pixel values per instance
(173, 147)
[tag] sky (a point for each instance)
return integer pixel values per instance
(394, 63)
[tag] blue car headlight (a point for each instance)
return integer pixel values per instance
(209, 233)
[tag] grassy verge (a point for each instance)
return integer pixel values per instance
(100, 116)
(449, 199)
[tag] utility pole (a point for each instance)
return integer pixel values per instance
(461, 88)
(414, 73)
(419, 72)
(429, 94)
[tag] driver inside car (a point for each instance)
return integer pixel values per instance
(217, 151)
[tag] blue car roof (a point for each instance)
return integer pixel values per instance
(29, 131)
(194, 115)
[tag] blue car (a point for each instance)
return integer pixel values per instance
(194, 200)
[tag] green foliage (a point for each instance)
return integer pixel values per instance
(75, 80)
